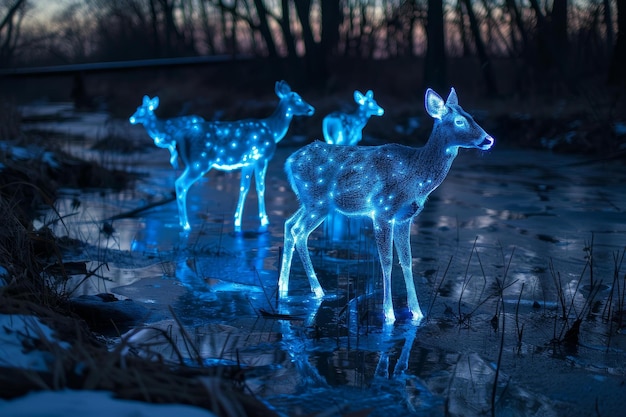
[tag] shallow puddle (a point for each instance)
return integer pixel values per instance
(548, 229)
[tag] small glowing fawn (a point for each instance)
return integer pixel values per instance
(247, 145)
(166, 132)
(388, 183)
(347, 129)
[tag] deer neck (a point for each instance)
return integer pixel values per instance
(435, 158)
(156, 130)
(278, 122)
(361, 117)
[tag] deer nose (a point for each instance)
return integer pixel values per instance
(487, 143)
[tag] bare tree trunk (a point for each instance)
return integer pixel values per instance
(264, 28)
(559, 30)
(485, 62)
(10, 29)
(233, 29)
(435, 73)
(608, 23)
(168, 30)
(517, 17)
(462, 31)
(364, 34)
(414, 19)
(331, 19)
(230, 42)
(315, 66)
(154, 22)
(617, 71)
(189, 25)
(284, 22)
(351, 39)
(303, 8)
(209, 32)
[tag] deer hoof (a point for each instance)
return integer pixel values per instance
(319, 292)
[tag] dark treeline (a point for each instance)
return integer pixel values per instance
(549, 40)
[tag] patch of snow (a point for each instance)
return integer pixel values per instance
(17, 347)
(92, 404)
(19, 153)
(44, 108)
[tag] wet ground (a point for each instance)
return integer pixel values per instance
(511, 253)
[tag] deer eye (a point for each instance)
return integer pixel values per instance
(460, 121)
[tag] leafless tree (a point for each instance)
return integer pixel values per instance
(550, 40)
(435, 70)
(617, 71)
(11, 18)
(485, 61)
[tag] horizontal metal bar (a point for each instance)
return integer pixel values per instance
(120, 65)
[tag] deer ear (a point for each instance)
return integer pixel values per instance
(358, 97)
(146, 100)
(154, 103)
(282, 88)
(369, 94)
(452, 98)
(434, 104)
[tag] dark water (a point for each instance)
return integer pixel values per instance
(546, 231)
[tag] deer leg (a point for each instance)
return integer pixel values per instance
(182, 185)
(173, 155)
(288, 249)
(259, 179)
(402, 242)
(246, 173)
(382, 367)
(383, 233)
(403, 360)
(302, 228)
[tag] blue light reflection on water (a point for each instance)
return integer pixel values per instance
(545, 214)
(541, 215)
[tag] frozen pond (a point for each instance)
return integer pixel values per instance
(549, 230)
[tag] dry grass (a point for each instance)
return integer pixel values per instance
(89, 363)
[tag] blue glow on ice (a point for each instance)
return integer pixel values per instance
(347, 129)
(248, 145)
(388, 183)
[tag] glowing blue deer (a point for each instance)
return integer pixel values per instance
(246, 144)
(164, 132)
(388, 183)
(347, 129)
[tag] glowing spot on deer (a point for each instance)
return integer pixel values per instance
(247, 145)
(164, 131)
(384, 183)
(347, 128)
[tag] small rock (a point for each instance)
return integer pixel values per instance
(107, 314)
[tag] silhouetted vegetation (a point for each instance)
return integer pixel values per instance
(552, 42)
(554, 59)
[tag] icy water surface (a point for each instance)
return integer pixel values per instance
(545, 231)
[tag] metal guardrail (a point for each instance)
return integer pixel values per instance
(121, 65)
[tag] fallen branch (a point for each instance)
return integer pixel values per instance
(133, 213)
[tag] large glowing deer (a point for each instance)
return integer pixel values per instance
(388, 183)
(164, 132)
(347, 129)
(246, 144)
